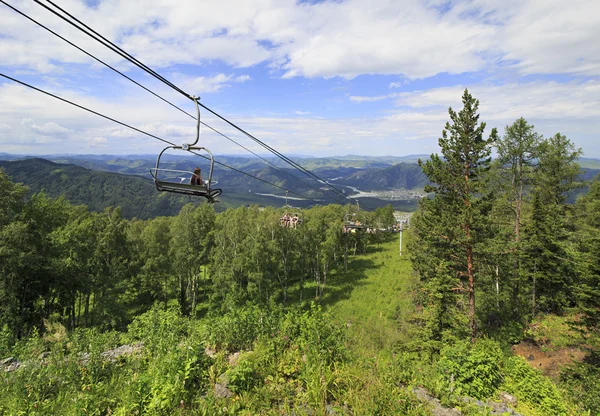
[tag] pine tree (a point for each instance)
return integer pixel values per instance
(517, 154)
(546, 260)
(460, 208)
(587, 241)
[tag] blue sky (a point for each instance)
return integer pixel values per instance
(316, 78)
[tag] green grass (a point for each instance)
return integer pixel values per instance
(372, 298)
(382, 298)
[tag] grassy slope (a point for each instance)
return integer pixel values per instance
(381, 295)
(370, 297)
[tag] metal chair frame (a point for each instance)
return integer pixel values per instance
(206, 190)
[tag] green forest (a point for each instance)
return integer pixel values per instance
(229, 313)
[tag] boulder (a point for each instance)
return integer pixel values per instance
(509, 399)
(222, 391)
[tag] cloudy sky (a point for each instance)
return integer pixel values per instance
(308, 77)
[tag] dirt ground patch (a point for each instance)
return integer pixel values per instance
(548, 362)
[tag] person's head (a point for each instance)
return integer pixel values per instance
(197, 171)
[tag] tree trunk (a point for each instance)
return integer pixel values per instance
(497, 289)
(471, 277)
(516, 267)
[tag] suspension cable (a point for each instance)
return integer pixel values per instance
(164, 99)
(115, 48)
(151, 135)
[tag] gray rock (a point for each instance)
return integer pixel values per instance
(436, 407)
(123, 350)
(7, 361)
(12, 365)
(509, 399)
(223, 379)
(210, 352)
(494, 408)
(222, 391)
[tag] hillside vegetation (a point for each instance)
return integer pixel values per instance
(136, 196)
(494, 307)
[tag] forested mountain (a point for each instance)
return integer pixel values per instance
(107, 181)
(136, 195)
(400, 176)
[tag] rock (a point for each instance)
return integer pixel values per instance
(10, 364)
(493, 408)
(222, 391)
(233, 358)
(210, 352)
(7, 361)
(123, 350)
(44, 355)
(223, 379)
(436, 408)
(531, 357)
(509, 399)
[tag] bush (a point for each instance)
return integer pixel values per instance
(582, 381)
(471, 370)
(239, 328)
(243, 376)
(158, 329)
(532, 387)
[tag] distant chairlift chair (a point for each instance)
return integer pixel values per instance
(165, 180)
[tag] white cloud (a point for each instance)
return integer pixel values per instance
(362, 99)
(96, 142)
(50, 128)
(242, 78)
(327, 39)
(5, 128)
(412, 127)
(208, 84)
(302, 113)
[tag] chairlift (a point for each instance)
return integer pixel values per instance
(293, 220)
(185, 182)
(354, 222)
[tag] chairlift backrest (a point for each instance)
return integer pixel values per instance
(170, 185)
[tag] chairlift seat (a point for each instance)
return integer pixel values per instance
(183, 188)
(187, 189)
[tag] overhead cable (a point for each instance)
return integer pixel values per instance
(115, 48)
(151, 135)
(162, 98)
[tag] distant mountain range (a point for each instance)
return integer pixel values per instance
(104, 180)
(399, 176)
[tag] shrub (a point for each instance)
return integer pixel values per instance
(582, 381)
(243, 376)
(471, 370)
(532, 387)
(239, 328)
(158, 329)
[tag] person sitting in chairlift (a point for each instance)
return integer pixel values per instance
(196, 178)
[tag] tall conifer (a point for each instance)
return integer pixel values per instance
(458, 202)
